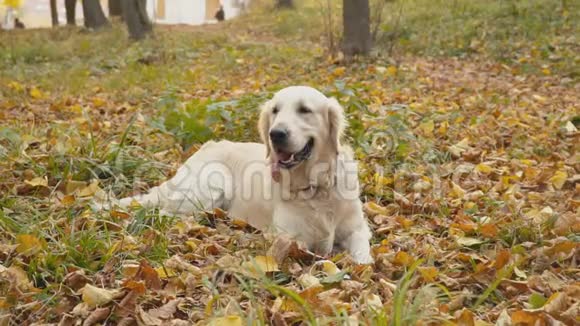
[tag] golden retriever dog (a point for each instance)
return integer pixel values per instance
(301, 181)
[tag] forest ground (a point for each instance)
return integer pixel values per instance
(464, 120)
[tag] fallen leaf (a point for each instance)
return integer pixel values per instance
(502, 258)
(37, 182)
(97, 316)
(429, 274)
(403, 259)
(465, 318)
(29, 245)
(261, 264)
(230, 320)
(94, 296)
(559, 179)
(469, 242)
(166, 311)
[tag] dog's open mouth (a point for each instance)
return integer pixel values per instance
(290, 160)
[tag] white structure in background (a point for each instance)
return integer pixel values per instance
(36, 13)
(191, 12)
(8, 20)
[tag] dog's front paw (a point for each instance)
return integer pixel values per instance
(363, 258)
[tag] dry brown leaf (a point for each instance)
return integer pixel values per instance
(280, 248)
(166, 311)
(97, 316)
(177, 263)
(556, 304)
(127, 306)
(146, 319)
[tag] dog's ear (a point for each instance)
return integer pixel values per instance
(264, 125)
(336, 123)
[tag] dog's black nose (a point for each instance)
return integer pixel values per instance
(278, 136)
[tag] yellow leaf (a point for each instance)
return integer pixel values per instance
(405, 222)
(403, 259)
(559, 179)
(68, 200)
(339, 71)
(89, 190)
(372, 209)
(456, 191)
(330, 268)
(307, 281)
(38, 182)
(261, 264)
(427, 128)
(442, 131)
(35, 93)
(546, 71)
(231, 320)
(428, 273)
(12, 3)
(15, 86)
(459, 148)
(28, 245)
(94, 296)
(165, 272)
(483, 168)
(191, 244)
(392, 71)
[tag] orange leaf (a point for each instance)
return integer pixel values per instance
(149, 275)
(137, 286)
(502, 258)
(489, 230)
(562, 247)
(120, 215)
(428, 273)
(524, 317)
(405, 223)
(466, 318)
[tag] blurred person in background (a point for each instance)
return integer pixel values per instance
(220, 15)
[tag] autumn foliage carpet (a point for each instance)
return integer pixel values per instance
(469, 165)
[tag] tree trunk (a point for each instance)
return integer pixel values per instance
(71, 7)
(115, 8)
(135, 15)
(94, 15)
(357, 35)
(284, 4)
(53, 13)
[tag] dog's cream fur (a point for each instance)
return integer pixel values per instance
(316, 202)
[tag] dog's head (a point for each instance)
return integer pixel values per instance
(300, 124)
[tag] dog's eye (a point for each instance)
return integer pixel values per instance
(304, 110)
(275, 110)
